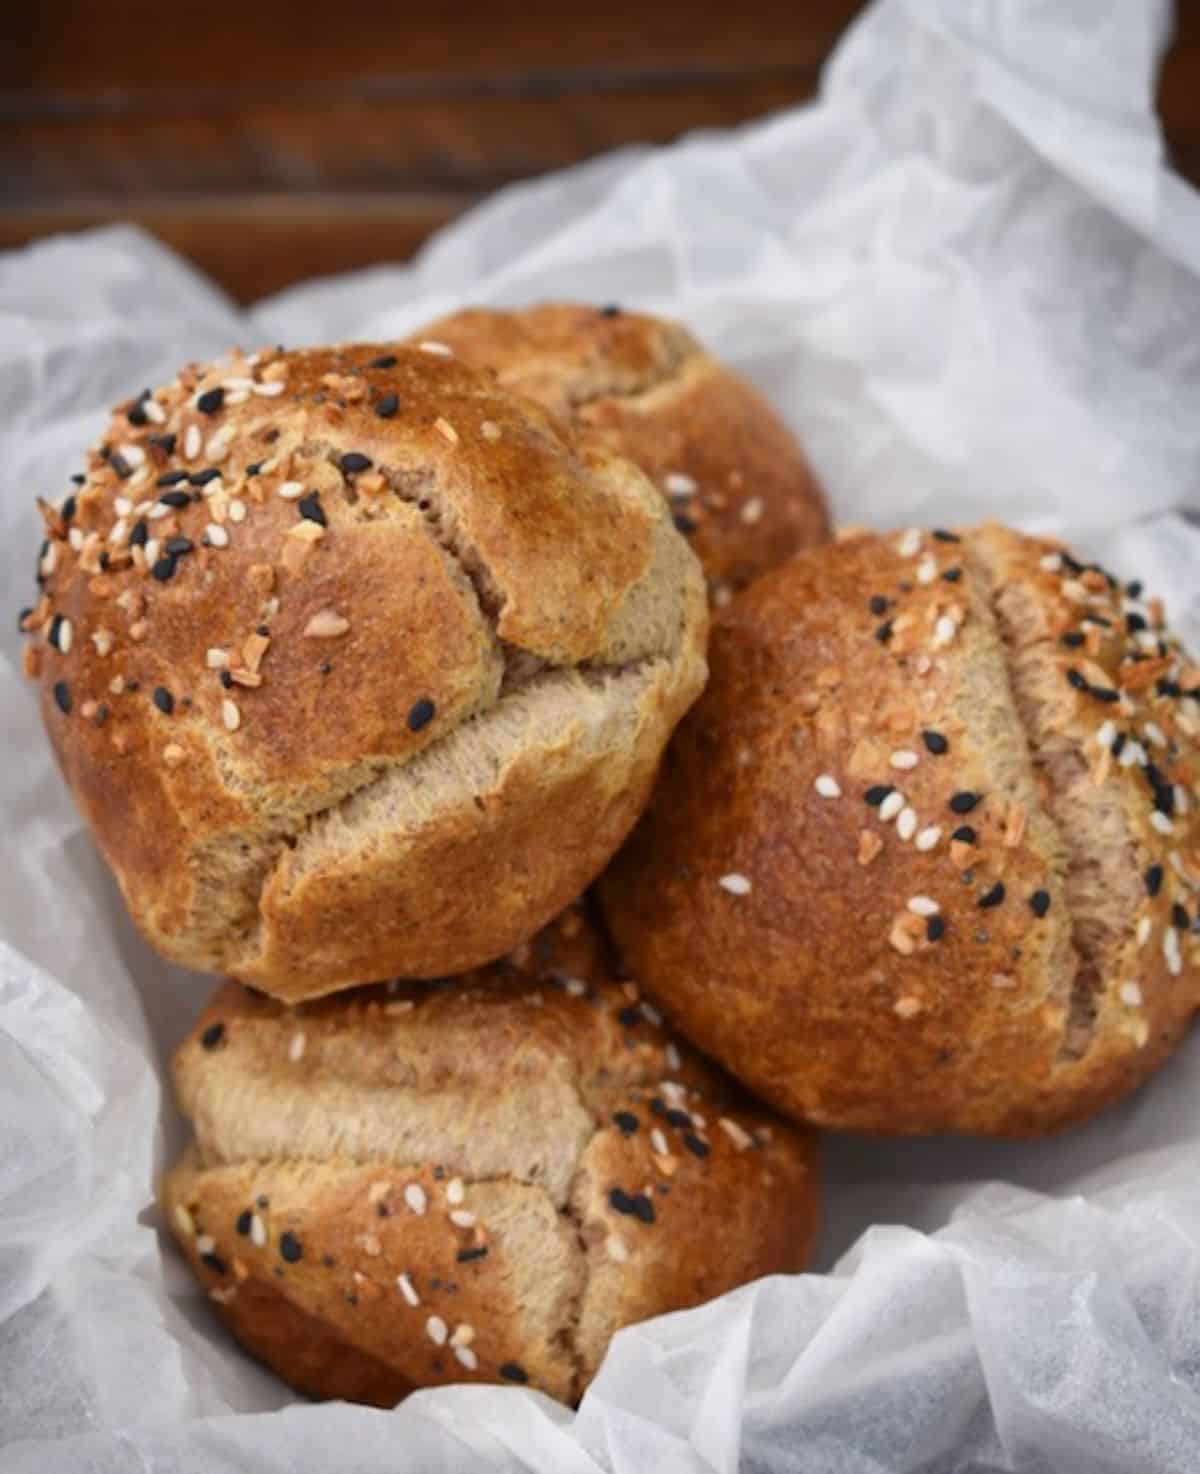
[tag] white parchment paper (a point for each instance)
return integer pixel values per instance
(967, 278)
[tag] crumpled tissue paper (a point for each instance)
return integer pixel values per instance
(968, 279)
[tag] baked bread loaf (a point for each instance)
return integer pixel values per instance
(738, 482)
(480, 1181)
(926, 855)
(356, 666)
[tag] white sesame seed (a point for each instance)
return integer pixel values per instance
(50, 556)
(752, 511)
(928, 837)
(1178, 866)
(296, 1047)
(904, 758)
(268, 391)
(405, 1286)
(467, 1357)
(1131, 994)
(237, 511)
(1170, 948)
(184, 1220)
(907, 1007)
(291, 491)
(1154, 733)
(103, 641)
(906, 824)
(414, 1196)
(1147, 640)
(659, 1142)
(616, 1249)
(150, 551)
(735, 884)
(75, 538)
(133, 455)
(139, 478)
(205, 1244)
(944, 631)
(827, 786)
(891, 805)
(910, 544)
(575, 987)
(435, 1329)
(462, 1219)
(191, 443)
(1144, 928)
(674, 1092)
(215, 658)
(326, 624)
(1106, 733)
(1162, 822)
(1052, 562)
(741, 1139)
(671, 1055)
(439, 350)
(65, 631)
(1181, 798)
(216, 536)
(122, 506)
(923, 906)
(1132, 752)
(463, 1335)
(679, 485)
(154, 412)
(490, 430)
(258, 1232)
(926, 570)
(455, 1191)
(117, 534)
(218, 445)
(651, 1014)
(158, 511)
(230, 715)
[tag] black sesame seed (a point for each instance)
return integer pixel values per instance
(56, 625)
(627, 1121)
(1098, 619)
(212, 1036)
(121, 466)
(878, 603)
(385, 360)
(1073, 564)
(421, 714)
(621, 1200)
(993, 897)
(226, 679)
(884, 633)
(164, 700)
(104, 560)
(1179, 917)
(466, 1255)
(178, 546)
(136, 415)
(677, 1118)
(876, 795)
(386, 407)
(67, 510)
(1039, 902)
(141, 531)
(254, 468)
(946, 537)
(42, 551)
(78, 479)
(1118, 743)
(133, 685)
(171, 478)
(1073, 639)
(1154, 879)
(628, 1017)
(611, 310)
(952, 575)
(658, 1106)
(165, 443)
(1077, 680)
(101, 715)
(215, 1263)
(290, 1247)
(511, 1372)
(202, 478)
(264, 630)
(164, 568)
(1105, 693)
(685, 524)
(935, 929)
(964, 801)
(694, 1144)
(1134, 589)
(21, 618)
(309, 508)
(243, 1222)
(62, 697)
(176, 499)
(936, 743)
(324, 667)
(211, 401)
(1169, 688)
(643, 1208)
(353, 462)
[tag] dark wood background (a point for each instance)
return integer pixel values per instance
(280, 139)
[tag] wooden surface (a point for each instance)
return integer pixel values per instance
(284, 139)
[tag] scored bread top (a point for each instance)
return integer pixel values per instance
(926, 855)
(536, 1157)
(287, 577)
(737, 480)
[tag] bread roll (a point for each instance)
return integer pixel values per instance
(478, 1181)
(356, 667)
(738, 482)
(926, 856)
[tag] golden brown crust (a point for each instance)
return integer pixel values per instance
(377, 598)
(739, 483)
(606, 1171)
(868, 882)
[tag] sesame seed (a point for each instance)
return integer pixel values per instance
(405, 1286)
(1052, 562)
(455, 1191)
(892, 805)
(672, 1057)
(928, 837)
(910, 544)
(421, 714)
(696, 1145)
(290, 1247)
(964, 801)
(462, 1219)
(1144, 928)
(906, 824)
(237, 511)
(944, 631)
(904, 758)
(258, 1232)
(212, 1036)
(992, 897)
(876, 795)
(616, 1249)
(1106, 732)
(216, 536)
(163, 699)
(291, 491)
(446, 430)
(1130, 994)
(386, 407)
(311, 510)
(163, 568)
(326, 624)
(885, 631)
(1039, 903)
(935, 743)
(1154, 733)
(1161, 822)
(1179, 917)
(511, 1372)
(926, 570)
(935, 929)
(1171, 952)
(439, 350)
(626, 1121)
(878, 604)
(907, 1007)
(679, 485)
(414, 1196)
(943, 536)
(1153, 879)
(210, 401)
(231, 715)
(183, 1220)
(62, 697)
(827, 786)
(923, 906)
(741, 1139)
(752, 511)
(205, 1244)
(735, 884)
(296, 1047)
(353, 462)
(435, 1329)
(270, 389)
(659, 1142)
(215, 658)
(467, 1357)
(490, 430)
(178, 547)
